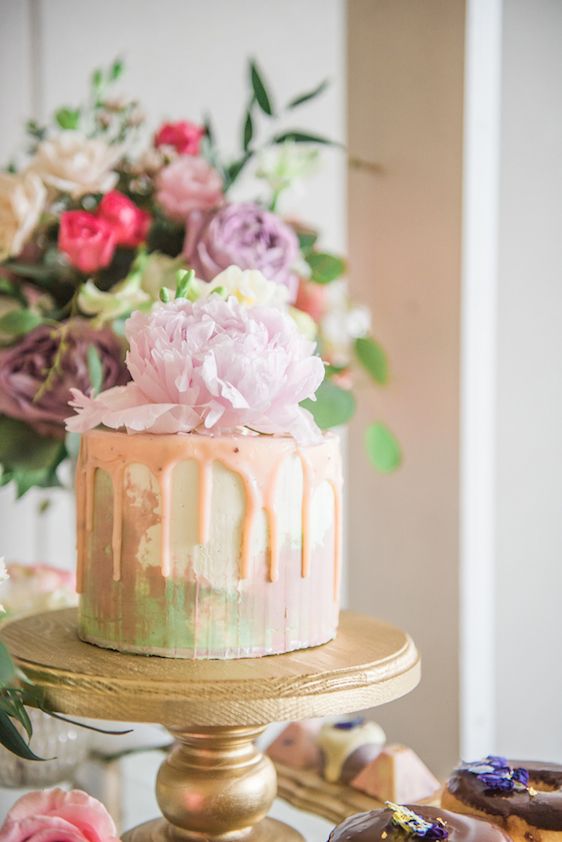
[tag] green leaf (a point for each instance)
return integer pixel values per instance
(7, 666)
(97, 78)
(11, 739)
(234, 170)
(68, 118)
(383, 448)
(260, 91)
(306, 97)
(304, 137)
(248, 130)
(324, 267)
(18, 322)
(27, 458)
(95, 369)
(373, 358)
(333, 405)
(184, 279)
(116, 70)
(307, 239)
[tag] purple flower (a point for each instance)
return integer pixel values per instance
(499, 783)
(37, 373)
(244, 235)
(521, 776)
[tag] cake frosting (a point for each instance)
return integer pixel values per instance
(201, 546)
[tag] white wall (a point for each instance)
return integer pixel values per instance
(184, 58)
(529, 393)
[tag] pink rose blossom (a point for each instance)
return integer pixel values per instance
(57, 816)
(188, 184)
(184, 136)
(88, 242)
(130, 224)
(210, 366)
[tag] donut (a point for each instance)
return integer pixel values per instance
(347, 747)
(522, 797)
(407, 824)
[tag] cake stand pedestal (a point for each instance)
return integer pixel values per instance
(214, 785)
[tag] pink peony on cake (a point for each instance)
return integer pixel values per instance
(209, 503)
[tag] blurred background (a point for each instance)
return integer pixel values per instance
(454, 241)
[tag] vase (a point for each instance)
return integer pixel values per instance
(64, 745)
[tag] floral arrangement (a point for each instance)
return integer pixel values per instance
(97, 220)
(54, 814)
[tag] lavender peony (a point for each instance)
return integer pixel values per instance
(24, 367)
(211, 366)
(243, 235)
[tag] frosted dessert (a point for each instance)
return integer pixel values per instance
(209, 503)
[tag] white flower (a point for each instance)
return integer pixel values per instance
(248, 286)
(124, 297)
(304, 322)
(342, 324)
(72, 163)
(284, 165)
(22, 198)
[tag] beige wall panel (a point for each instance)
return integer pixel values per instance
(405, 85)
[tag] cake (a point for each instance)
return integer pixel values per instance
(347, 746)
(406, 824)
(522, 797)
(397, 774)
(208, 502)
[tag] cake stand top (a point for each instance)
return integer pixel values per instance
(369, 663)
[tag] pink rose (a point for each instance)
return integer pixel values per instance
(88, 242)
(130, 224)
(211, 366)
(57, 816)
(184, 136)
(188, 184)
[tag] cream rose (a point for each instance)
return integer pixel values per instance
(249, 286)
(72, 163)
(22, 198)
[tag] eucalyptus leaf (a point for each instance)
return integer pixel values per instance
(373, 358)
(248, 130)
(116, 70)
(303, 137)
(324, 267)
(260, 91)
(68, 118)
(306, 97)
(95, 369)
(18, 322)
(307, 239)
(7, 666)
(333, 406)
(383, 448)
(11, 739)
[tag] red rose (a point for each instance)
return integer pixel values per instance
(87, 241)
(130, 224)
(185, 137)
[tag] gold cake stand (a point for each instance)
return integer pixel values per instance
(214, 785)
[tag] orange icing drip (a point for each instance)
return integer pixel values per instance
(118, 491)
(257, 460)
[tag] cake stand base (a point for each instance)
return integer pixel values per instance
(268, 830)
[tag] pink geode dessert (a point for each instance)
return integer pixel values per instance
(208, 501)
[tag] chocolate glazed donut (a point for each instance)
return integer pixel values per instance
(370, 827)
(541, 808)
